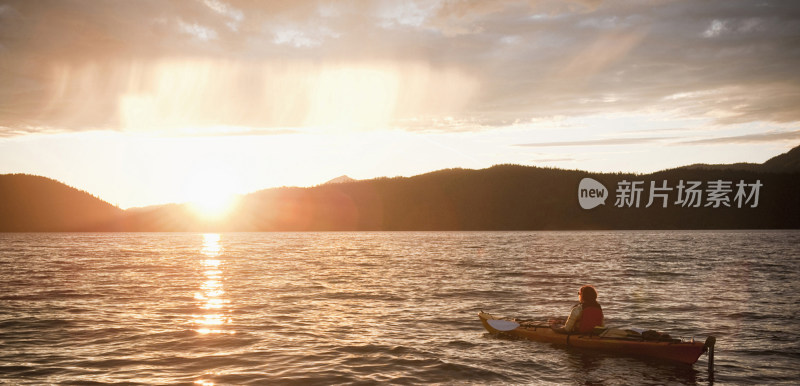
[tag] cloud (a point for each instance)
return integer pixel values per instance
(198, 31)
(598, 142)
(85, 64)
(547, 160)
(234, 16)
(772, 136)
(716, 28)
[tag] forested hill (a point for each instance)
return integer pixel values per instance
(503, 197)
(38, 204)
(511, 197)
(785, 163)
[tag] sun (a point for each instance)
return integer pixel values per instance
(213, 205)
(211, 197)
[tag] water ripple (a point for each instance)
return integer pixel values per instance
(398, 308)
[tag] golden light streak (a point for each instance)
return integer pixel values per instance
(212, 302)
(211, 246)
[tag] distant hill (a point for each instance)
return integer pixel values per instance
(503, 197)
(736, 166)
(341, 180)
(169, 218)
(513, 197)
(32, 203)
(785, 163)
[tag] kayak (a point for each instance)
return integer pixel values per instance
(668, 349)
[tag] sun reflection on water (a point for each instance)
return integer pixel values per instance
(214, 316)
(211, 245)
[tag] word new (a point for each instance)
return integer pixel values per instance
(693, 194)
(591, 193)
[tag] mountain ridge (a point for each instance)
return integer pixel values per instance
(35, 203)
(501, 197)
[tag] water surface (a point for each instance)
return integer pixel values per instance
(364, 308)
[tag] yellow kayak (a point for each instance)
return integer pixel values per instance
(670, 349)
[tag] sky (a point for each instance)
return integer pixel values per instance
(150, 102)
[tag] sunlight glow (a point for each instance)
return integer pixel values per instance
(354, 97)
(210, 196)
(184, 96)
(212, 205)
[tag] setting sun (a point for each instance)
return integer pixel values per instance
(210, 192)
(213, 205)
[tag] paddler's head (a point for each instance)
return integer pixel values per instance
(587, 293)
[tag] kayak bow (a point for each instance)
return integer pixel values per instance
(673, 350)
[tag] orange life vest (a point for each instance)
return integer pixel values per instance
(590, 318)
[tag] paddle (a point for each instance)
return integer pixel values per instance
(503, 325)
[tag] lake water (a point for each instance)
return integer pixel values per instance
(400, 308)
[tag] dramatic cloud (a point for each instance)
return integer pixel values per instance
(444, 65)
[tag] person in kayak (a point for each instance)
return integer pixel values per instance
(585, 316)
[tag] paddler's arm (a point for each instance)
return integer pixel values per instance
(574, 317)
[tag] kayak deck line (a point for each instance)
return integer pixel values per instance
(687, 352)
